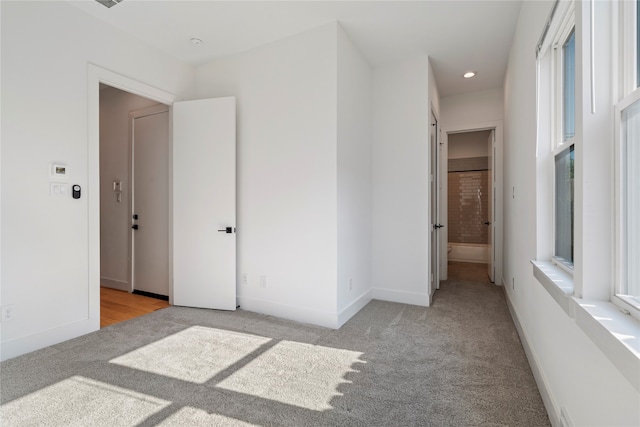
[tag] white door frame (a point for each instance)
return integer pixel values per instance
(498, 172)
(95, 76)
(492, 187)
(434, 276)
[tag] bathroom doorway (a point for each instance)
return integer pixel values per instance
(471, 206)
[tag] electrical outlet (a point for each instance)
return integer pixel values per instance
(350, 285)
(8, 313)
(263, 281)
(513, 283)
(245, 278)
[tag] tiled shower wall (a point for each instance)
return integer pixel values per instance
(468, 201)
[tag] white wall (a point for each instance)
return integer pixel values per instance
(471, 109)
(468, 144)
(115, 221)
(434, 95)
(572, 371)
(287, 172)
(400, 182)
(354, 179)
(46, 48)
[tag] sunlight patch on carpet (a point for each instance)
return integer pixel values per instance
(79, 401)
(195, 354)
(294, 373)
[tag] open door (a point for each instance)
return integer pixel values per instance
(435, 220)
(204, 203)
(492, 205)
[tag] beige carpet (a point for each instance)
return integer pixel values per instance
(457, 363)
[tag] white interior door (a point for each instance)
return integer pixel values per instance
(204, 202)
(150, 200)
(492, 205)
(435, 221)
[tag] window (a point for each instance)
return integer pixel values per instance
(627, 172)
(630, 202)
(569, 87)
(564, 177)
(576, 143)
(564, 155)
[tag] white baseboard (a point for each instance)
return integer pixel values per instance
(538, 374)
(357, 305)
(27, 344)
(393, 295)
(115, 284)
(299, 314)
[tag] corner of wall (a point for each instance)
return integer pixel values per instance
(354, 172)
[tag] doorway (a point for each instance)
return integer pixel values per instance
(471, 202)
(134, 200)
(202, 157)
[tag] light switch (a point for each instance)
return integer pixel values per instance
(58, 189)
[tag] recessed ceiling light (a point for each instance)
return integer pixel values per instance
(196, 41)
(469, 74)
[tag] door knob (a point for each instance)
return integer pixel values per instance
(437, 226)
(134, 226)
(227, 230)
(487, 223)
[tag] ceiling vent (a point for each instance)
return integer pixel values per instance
(109, 3)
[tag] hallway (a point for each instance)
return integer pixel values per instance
(468, 272)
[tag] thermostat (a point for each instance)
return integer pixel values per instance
(58, 170)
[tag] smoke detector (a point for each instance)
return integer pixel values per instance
(109, 3)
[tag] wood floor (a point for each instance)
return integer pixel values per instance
(117, 306)
(468, 271)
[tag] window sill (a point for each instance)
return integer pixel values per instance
(557, 282)
(615, 333)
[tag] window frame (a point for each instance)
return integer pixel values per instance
(557, 87)
(627, 48)
(585, 296)
(617, 297)
(629, 93)
(558, 143)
